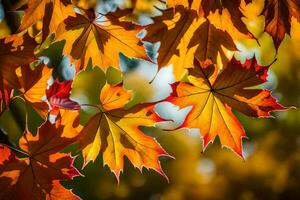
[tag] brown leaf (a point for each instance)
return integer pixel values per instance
(34, 176)
(184, 35)
(278, 15)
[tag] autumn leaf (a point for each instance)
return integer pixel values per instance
(184, 35)
(116, 133)
(70, 119)
(33, 84)
(58, 96)
(58, 192)
(207, 7)
(278, 15)
(213, 95)
(35, 174)
(174, 30)
(213, 45)
(102, 109)
(15, 50)
(51, 12)
(100, 38)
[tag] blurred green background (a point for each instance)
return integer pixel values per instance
(271, 169)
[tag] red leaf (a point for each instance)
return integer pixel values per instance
(58, 96)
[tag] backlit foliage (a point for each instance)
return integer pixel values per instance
(96, 114)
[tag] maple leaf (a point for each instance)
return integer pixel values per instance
(100, 38)
(206, 7)
(278, 15)
(33, 84)
(58, 192)
(15, 51)
(58, 96)
(174, 30)
(214, 43)
(213, 95)
(35, 176)
(52, 12)
(183, 36)
(70, 119)
(116, 133)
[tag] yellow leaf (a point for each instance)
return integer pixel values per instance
(100, 38)
(117, 134)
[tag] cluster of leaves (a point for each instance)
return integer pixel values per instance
(198, 38)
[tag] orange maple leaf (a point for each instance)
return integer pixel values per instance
(100, 38)
(184, 35)
(207, 7)
(35, 175)
(51, 12)
(213, 95)
(116, 132)
(58, 192)
(33, 84)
